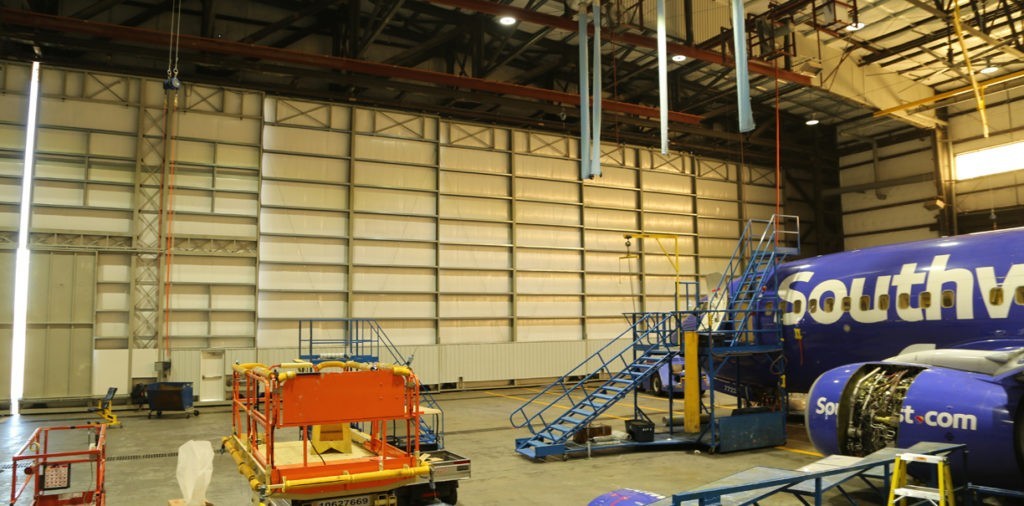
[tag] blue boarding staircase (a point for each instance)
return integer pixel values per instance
(740, 327)
(739, 299)
(726, 319)
(576, 399)
(738, 296)
(362, 340)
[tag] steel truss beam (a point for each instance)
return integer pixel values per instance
(567, 24)
(215, 46)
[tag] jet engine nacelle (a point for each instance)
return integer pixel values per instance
(860, 408)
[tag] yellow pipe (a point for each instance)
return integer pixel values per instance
(350, 364)
(262, 371)
(294, 365)
(405, 472)
(691, 388)
(244, 468)
(281, 376)
(397, 370)
(979, 93)
(331, 363)
(242, 368)
(950, 93)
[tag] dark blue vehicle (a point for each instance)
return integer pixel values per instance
(671, 378)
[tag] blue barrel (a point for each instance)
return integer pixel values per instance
(170, 396)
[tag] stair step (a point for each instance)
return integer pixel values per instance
(603, 396)
(561, 428)
(932, 494)
(582, 411)
(573, 420)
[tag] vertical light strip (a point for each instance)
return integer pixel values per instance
(595, 116)
(584, 97)
(739, 42)
(21, 263)
(663, 76)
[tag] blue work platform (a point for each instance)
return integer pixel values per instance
(809, 484)
(730, 329)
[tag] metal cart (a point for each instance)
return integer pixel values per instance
(170, 396)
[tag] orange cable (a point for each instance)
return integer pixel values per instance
(169, 237)
(778, 154)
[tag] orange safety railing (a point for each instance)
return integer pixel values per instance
(43, 462)
(363, 399)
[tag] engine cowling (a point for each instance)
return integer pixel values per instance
(860, 408)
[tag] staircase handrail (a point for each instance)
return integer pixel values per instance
(744, 247)
(662, 319)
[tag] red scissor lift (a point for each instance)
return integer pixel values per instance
(342, 408)
(45, 464)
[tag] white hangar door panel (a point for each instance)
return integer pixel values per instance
(59, 335)
(304, 219)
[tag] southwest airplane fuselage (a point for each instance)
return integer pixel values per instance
(963, 291)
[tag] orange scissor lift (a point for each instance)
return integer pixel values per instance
(46, 463)
(342, 412)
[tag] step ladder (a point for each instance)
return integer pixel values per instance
(576, 399)
(941, 495)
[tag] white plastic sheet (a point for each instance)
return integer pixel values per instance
(195, 467)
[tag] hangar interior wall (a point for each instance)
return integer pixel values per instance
(996, 194)
(884, 192)
(476, 246)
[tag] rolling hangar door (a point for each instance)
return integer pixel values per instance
(467, 241)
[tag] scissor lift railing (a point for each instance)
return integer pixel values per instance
(308, 397)
(44, 463)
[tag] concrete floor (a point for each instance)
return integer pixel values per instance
(141, 462)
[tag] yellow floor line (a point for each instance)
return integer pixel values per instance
(801, 452)
(488, 392)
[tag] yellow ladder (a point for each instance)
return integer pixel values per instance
(940, 496)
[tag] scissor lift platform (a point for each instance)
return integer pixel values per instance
(342, 411)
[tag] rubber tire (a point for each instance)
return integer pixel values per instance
(195, 412)
(656, 386)
(449, 496)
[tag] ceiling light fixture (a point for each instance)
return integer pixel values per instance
(507, 20)
(853, 27)
(678, 58)
(989, 69)
(811, 122)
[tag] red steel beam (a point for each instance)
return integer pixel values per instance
(567, 24)
(217, 46)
